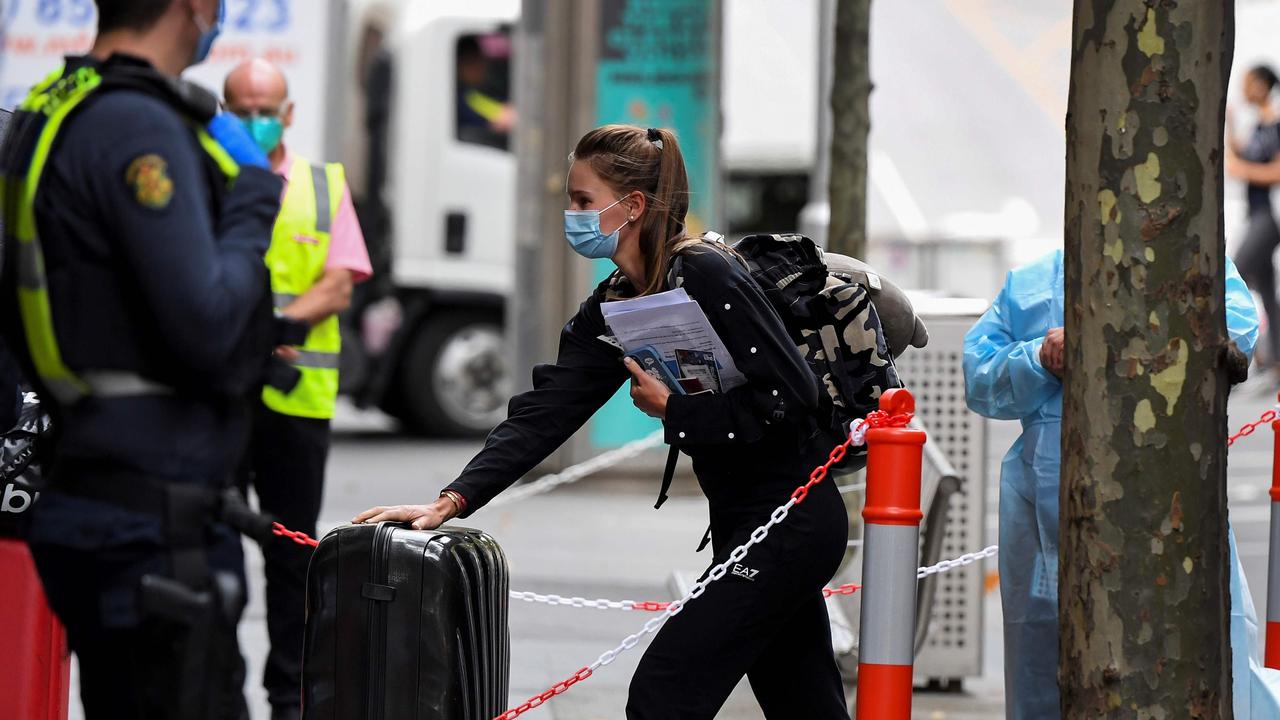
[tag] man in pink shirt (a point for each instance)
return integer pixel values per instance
(317, 255)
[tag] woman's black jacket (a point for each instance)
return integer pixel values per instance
(740, 441)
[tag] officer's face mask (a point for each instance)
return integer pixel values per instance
(582, 230)
(266, 131)
(208, 33)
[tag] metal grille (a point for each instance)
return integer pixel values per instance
(953, 647)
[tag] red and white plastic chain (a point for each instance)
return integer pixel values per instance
(873, 420)
(671, 608)
(1266, 418)
(857, 437)
(584, 673)
(299, 537)
(629, 605)
(558, 689)
(659, 606)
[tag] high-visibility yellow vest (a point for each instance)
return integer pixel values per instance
(45, 109)
(299, 249)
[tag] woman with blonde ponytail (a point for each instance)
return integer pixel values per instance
(628, 195)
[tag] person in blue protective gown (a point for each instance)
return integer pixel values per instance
(1013, 359)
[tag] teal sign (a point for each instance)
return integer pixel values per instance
(658, 67)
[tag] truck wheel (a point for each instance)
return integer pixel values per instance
(454, 380)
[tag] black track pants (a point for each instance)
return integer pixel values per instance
(766, 619)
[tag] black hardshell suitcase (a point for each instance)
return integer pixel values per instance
(406, 624)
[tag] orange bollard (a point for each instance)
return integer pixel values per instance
(891, 553)
(35, 668)
(1272, 655)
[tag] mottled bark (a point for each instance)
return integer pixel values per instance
(850, 123)
(1143, 584)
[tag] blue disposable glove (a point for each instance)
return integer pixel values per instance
(232, 135)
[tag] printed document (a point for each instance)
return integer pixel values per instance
(674, 324)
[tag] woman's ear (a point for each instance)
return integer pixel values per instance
(635, 206)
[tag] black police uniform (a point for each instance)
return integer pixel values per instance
(154, 267)
(10, 391)
(751, 447)
(10, 374)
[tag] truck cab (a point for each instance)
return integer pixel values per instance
(450, 215)
(450, 190)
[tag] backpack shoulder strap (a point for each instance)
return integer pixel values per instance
(675, 266)
(668, 474)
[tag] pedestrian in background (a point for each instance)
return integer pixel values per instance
(317, 254)
(628, 196)
(1013, 365)
(136, 299)
(1256, 254)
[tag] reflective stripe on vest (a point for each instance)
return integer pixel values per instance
(299, 251)
(53, 100)
(318, 360)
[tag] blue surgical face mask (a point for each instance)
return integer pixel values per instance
(266, 131)
(208, 35)
(582, 230)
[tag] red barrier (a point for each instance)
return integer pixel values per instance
(891, 550)
(35, 667)
(1272, 656)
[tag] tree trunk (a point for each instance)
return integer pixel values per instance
(850, 123)
(1143, 601)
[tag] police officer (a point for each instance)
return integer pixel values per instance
(136, 296)
(317, 254)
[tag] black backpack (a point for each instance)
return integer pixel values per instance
(20, 472)
(827, 303)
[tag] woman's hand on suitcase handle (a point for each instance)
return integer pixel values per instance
(420, 517)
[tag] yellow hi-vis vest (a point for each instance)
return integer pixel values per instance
(43, 112)
(299, 249)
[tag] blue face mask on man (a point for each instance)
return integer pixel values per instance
(582, 230)
(208, 34)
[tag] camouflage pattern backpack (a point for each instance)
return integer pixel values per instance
(831, 316)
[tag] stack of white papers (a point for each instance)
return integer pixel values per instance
(674, 325)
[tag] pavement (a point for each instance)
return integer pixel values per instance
(601, 538)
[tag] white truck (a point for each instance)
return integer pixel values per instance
(451, 187)
(391, 88)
